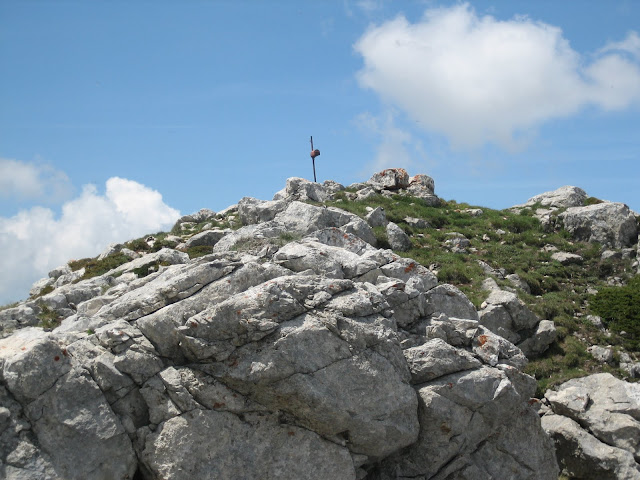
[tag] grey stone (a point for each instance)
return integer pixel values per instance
(390, 179)
(252, 211)
(397, 238)
(435, 359)
(602, 354)
(259, 446)
(610, 224)
(567, 258)
(417, 222)
(377, 218)
(206, 238)
(608, 409)
(582, 455)
(494, 350)
(462, 432)
(518, 282)
(449, 300)
(566, 196)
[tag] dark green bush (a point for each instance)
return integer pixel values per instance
(619, 307)
(94, 267)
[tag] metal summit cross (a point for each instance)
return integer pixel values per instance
(314, 153)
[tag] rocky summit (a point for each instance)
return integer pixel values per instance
(296, 338)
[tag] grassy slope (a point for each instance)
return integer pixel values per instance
(559, 293)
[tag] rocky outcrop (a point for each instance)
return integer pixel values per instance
(610, 224)
(594, 422)
(397, 181)
(567, 196)
(306, 354)
(506, 315)
(300, 219)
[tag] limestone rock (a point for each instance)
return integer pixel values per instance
(252, 211)
(582, 455)
(301, 219)
(598, 416)
(207, 238)
(506, 315)
(397, 238)
(449, 300)
(377, 218)
(422, 182)
(466, 437)
(566, 258)
(295, 350)
(416, 222)
(198, 217)
(437, 358)
(390, 179)
(566, 196)
(259, 446)
(610, 224)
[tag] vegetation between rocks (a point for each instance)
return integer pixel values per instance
(516, 243)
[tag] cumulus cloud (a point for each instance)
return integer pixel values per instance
(31, 181)
(396, 147)
(35, 241)
(630, 45)
(478, 79)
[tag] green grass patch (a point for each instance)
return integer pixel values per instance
(48, 317)
(94, 267)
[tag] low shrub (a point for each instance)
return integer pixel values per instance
(94, 267)
(619, 307)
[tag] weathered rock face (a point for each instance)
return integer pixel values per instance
(611, 224)
(566, 196)
(506, 315)
(608, 223)
(319, 358)
(289, 368)
(594, 422)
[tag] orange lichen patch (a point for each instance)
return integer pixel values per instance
(482, 339)
(410, 267)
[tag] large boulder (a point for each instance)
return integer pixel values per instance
(506, 315)
(567, 196)
(466, 435)
(297, 219)
(595, 424)
(610, 224)
(303, 190)
(390, 179)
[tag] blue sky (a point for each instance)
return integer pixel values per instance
(116, 117)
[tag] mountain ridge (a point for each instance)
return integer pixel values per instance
(280, 322)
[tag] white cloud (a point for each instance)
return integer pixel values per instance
(478, 79)
(34, 241)
(394, 145)
(631, 45)
(22, 180)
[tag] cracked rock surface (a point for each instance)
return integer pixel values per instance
(324, 358)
